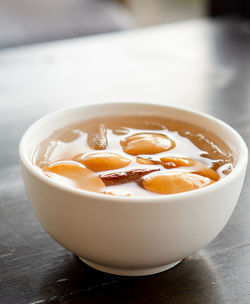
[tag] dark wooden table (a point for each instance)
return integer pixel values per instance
(201, 64)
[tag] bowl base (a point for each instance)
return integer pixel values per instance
(129, 272)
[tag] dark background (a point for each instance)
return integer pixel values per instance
(27, 21)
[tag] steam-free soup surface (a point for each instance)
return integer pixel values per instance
(134, 155)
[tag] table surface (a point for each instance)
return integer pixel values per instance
(201, 64)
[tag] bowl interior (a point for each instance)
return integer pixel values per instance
(44, 127)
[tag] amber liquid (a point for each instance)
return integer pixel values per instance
(191, 142)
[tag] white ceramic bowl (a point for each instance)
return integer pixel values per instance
(131, 235)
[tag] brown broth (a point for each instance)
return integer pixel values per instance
(209, 156)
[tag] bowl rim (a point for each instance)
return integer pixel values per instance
(241, 161)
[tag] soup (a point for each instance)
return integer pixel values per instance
(134, 155)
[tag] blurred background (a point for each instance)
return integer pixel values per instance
(27, 21)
